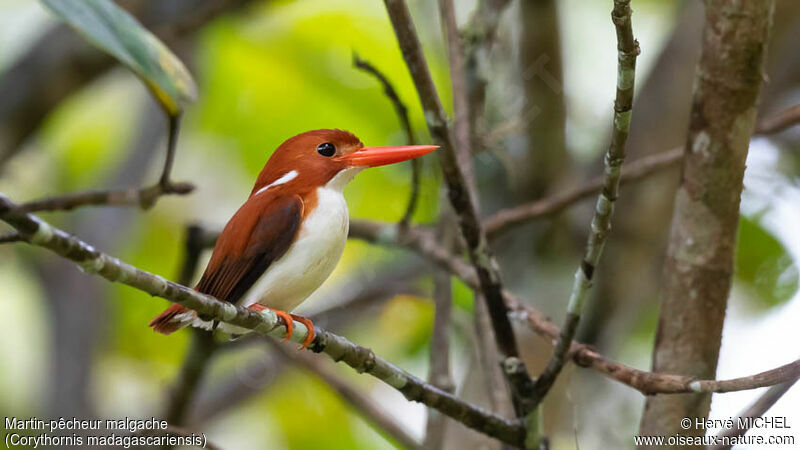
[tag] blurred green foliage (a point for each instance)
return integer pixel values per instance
(84, 141)
(763, 265)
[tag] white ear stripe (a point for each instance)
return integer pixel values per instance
(287, 177)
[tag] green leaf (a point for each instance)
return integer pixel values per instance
(764, 265)
(115, 31)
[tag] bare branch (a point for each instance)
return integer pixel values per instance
(373, 413)
(506, 219)
(779, 122)
(402, 115)
(628, 50)
(174, 124)
(144, 198)
(111, 197)
(459, 195)
(651, 383)
(40, 233)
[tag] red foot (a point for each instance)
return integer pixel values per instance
(283, 315)
(309, 326)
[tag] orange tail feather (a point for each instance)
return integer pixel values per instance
(168, 321)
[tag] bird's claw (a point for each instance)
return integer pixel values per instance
(288, 320)
(310, 333)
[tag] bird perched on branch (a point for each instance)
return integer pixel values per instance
(288, 236)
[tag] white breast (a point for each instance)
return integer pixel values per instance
(313, 256)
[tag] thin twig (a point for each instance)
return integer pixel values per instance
(639, 169)
(144, 198)
(42, 234)
(726, 439)
(173, 128)
(778, 122)
(402, 115)
(628, 50)
(459, 195)
(373, 413)
(111, 197)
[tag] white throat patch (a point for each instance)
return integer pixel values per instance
(340, 180)
(287, 177)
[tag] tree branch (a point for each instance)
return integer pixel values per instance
(164, 184)
(402, 115)
(628, 50)
(780, 121)
(459, 195)
(639, 169)
(140, 197)
(90, 260)
(144, 198)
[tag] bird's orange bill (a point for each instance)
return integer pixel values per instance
(380, 156)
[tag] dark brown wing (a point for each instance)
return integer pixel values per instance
(259, 233)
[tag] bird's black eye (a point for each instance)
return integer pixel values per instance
(326, 149)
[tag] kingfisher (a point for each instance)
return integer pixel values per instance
(288, 236)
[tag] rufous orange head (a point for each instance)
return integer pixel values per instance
(315, 158)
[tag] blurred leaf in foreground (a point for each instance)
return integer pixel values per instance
(115, 31)
(764, 265)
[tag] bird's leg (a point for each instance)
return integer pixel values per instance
(286, 317)
(310, 334)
